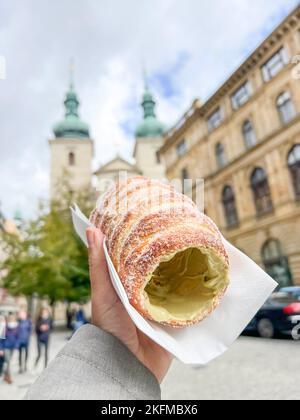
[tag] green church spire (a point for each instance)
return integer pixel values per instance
(148, 104)
(150, 126)
(71, 103)
(72, 126)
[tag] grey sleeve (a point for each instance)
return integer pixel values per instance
(95, 365)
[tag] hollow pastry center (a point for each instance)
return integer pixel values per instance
(184, 286)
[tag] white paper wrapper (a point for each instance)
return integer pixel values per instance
(249, 289)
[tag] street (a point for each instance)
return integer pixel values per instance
(21, 383)
(253, 368)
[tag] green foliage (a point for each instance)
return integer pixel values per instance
(47, 258)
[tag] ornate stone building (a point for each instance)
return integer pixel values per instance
(71, 150)
(244, 141)
(148, 141)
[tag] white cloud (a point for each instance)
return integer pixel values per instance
(110, 41)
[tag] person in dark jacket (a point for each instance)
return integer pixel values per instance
(10, 344)
(1, 356)
(2, 336)
(79, 319)
(43, 328)
(25, 329)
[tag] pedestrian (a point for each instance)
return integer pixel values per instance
(2, 336)
(25, 329)
(43, 328)
(79, 319)
(10, 344)
(1, 357)
(69, 317)
(110, 359)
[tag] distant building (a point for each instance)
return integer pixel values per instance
(245, 142)
(110, 172)
(71, 150)
(148, 141)
(8, 227)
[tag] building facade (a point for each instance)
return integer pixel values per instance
(244, 141)
(71, 150)
(112, 171)
(148, 141)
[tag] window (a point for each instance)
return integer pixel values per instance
(285, 107)
(221, 156)
(215, 119)
(249, 134)
(181, 148)
(276, 264)
(72, 159)
(241, 96)
(261, 191)
(273, 66)
(229, 205)
(184, 176)
(294, 167)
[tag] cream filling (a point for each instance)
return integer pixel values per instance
(185, 285)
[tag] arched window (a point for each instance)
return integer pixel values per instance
(294, 167)
(261, 191)
(276, 264)
(285, 107)
(229, 204)
(220, 155)
(72, 159)
(249, 134)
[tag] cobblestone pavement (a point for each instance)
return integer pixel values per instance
(253, 368)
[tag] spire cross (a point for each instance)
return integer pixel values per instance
(71, 71)
(145, 77)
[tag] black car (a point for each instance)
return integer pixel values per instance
(295, 291)
(280, 314)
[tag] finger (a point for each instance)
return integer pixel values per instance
(99, 275)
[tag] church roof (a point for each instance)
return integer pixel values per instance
(150, 126)
(117, 164)
(71, 126)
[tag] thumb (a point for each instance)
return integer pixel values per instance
(98, 267)
(95, 240)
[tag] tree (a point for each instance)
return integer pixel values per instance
(47, 258)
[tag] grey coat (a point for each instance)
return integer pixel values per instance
(95, 366)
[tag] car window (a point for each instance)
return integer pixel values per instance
(294, 290)
(280, 298)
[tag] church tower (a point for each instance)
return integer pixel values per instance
(71, 150)
(149, 139)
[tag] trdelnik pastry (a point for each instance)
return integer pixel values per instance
(169, 256)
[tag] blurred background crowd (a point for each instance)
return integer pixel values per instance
(20, 329)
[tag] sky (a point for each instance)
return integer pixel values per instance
(188, 48)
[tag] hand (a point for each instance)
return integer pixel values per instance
(44, 328)
(109, 314)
